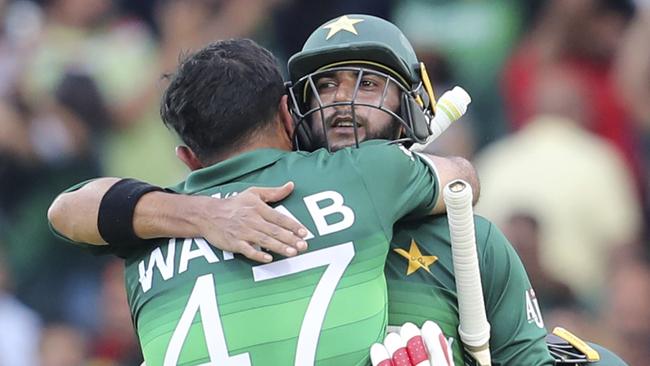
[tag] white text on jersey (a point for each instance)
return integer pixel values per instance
(319, 205)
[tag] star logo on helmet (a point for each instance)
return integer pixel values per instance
(342, 23)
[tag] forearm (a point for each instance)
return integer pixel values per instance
(166, 215)
(157, 214)
(74, 214)
(134, 210)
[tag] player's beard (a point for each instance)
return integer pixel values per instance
(390, 131)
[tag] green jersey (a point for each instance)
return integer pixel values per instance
(421, 286)
(193, 304)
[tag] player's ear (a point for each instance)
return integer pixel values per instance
(285, 115)
(188, 157)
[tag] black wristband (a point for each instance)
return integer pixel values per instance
(115, 218)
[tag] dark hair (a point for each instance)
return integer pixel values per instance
(222, 94)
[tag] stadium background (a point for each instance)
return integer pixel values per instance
(559, 130)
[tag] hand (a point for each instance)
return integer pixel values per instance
(414, 347)
(245, 223)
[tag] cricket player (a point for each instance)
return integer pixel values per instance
(193, 304)
(419, 272)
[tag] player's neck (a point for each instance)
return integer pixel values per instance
(252, 146)
(274, 136)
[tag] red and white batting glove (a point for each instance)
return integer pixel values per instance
(413, 347)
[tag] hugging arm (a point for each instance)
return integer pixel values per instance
(234, 224)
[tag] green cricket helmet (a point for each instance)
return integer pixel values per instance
(364, 44)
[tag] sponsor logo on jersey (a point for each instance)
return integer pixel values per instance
(532, 309)
(415, 258)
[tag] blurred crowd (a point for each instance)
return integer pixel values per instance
(559, 131)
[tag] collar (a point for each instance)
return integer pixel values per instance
(230, 169)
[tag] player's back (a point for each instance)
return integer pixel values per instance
(194, 304)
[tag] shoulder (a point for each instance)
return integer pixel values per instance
(484, 227)
(372, 159)
(380, 150)
(489, 236)
(372, 150)
(490, 240)
(487, 233)
(495, 250)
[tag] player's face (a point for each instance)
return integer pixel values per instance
(371, 122)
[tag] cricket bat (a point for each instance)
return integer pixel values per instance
(474, 328)
(450, 107)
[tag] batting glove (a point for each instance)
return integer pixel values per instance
(413, 347)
